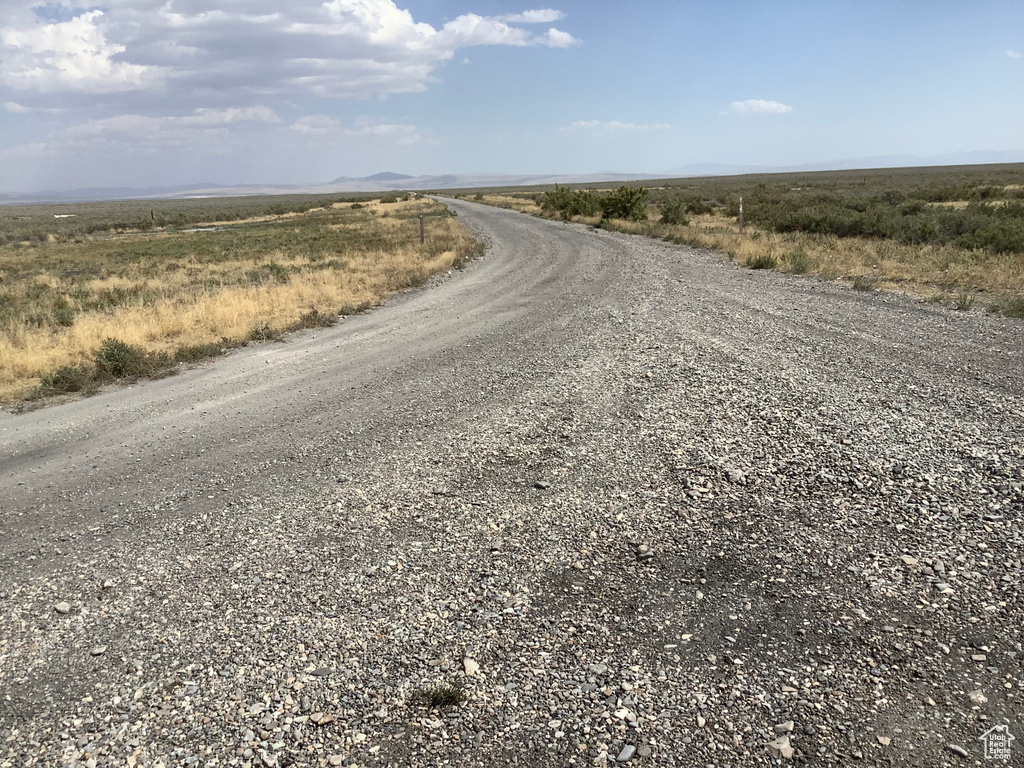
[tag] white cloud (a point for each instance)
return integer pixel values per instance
(612, 126)
(1015, 54)
(545, 16)
(315, 125)
(148, 127)
(252, 51)
(14, 108)
(68, 55)
(555, 38)
(758, 107)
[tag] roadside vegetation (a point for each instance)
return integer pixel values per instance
(119, 291)
(953, 235)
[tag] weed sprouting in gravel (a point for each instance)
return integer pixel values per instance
(964, 301)
(440, 696)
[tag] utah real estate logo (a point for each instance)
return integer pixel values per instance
(998, 741)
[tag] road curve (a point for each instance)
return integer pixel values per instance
(635, 501)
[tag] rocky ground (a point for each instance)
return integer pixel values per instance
(598, 500)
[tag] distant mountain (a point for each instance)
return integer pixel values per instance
(853, 163)
(387, 176)
(392, 182)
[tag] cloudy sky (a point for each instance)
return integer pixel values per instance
(161, 92)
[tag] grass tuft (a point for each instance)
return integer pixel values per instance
(440, 696)
(263, 331)
(196, 353)
(1012, 306)
(799, 263)
(763, 261)
(964, 301)
(864, 283)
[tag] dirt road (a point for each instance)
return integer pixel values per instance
(633, 502)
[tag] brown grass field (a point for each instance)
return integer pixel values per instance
(232, 281)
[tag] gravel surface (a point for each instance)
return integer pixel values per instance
(599, 499)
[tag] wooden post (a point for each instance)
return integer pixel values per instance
(741, 215)
(152, 217)
(421, 229)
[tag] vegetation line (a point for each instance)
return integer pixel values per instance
(81, 306)
(950, 235)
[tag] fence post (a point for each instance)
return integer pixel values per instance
(741, 215)
(421, 229)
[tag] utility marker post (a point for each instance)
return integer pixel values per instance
(741, 215)
(421, 229)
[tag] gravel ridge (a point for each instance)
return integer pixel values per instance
(633, 503)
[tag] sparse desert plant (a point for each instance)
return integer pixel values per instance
(763, 261)
(864, 283)
(440, 696)
(263, 331)
(194, 353)
(70, 378)
(673, 212)
(316, 319)
(964, 301)
(1012, 306)
(120, 360)
(799, 262)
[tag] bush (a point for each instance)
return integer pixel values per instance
(120, 360)
(628, 203)
(863, 283)
(263, 331)
(195, 353)
(70, 378)
(763, 261)
(568, 202)
(673, 213)
(964, 301)
(799, 262)
(316, 319)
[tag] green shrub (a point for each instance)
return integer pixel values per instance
(441, 696)
(799, 262)
(120, 360)
(628, 203)
(1012, 306)
(864, 283)
(673, 212)
(697, 206)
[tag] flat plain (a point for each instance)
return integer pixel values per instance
(597, 498)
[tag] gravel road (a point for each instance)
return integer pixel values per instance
(631, 502)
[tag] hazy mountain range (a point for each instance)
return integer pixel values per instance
(389, 181)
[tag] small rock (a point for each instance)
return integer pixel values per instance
(625, 754)
(542, 485)
(978, 657)
(786, 727)
(99, 650)
(885, 741)
(781, 748)
(335, 760)
(908, 560)
(108, 584)
(978, 697)
(62, 608)
(644, 751)
(956, 749)
(470, 666)
(701, 722)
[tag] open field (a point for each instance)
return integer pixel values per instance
(595, 495)
(953, 235)
(246, 270)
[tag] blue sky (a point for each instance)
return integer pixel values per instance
(158, 92)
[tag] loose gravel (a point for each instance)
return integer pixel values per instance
(599, 500)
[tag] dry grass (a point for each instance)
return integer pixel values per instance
(931, 271)
(163, 292)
